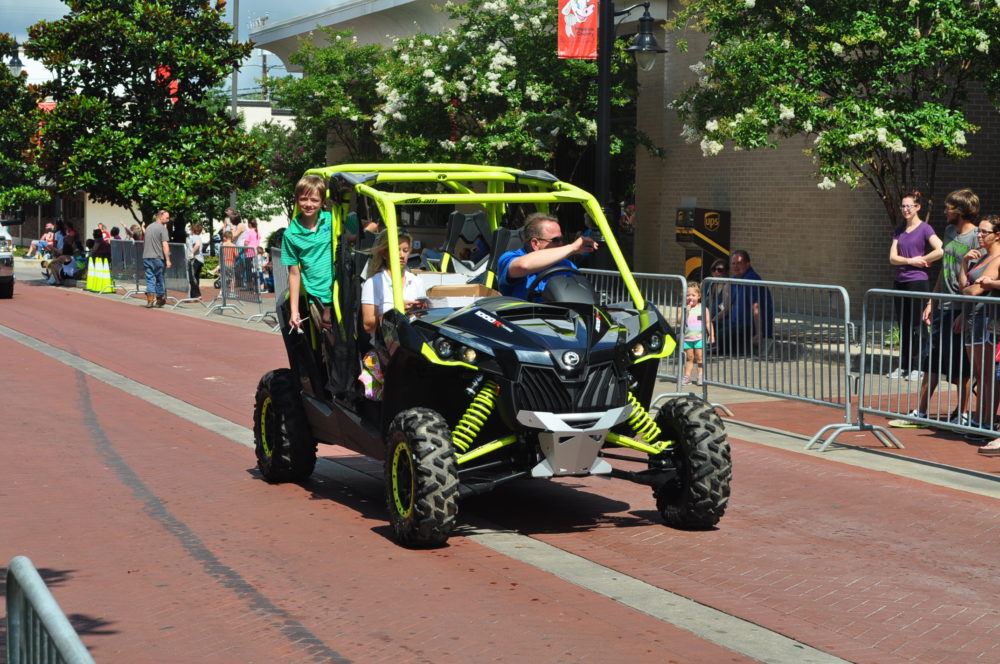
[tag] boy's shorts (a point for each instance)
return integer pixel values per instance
(693, 344)
(945, 350)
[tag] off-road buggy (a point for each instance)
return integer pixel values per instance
(484, 389)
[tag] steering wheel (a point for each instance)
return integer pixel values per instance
(543, 276)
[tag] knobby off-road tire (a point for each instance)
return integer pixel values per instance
(6, 289)
(697, 498)
(421, 478)
(286, 450)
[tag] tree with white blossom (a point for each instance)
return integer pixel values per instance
(880, 85)
(492, 90)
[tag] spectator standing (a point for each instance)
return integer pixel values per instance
(698, 321)
(946, 352)
(196, 259)
(155, 259)
(914, 247)
(105, 233)
(115, 233)
(239, 230)
(751, 312)
(981, 267)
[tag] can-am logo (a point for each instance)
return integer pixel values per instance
(491, 320)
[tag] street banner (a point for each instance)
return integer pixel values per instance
(578, 29)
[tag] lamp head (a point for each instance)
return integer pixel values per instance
(645, 48)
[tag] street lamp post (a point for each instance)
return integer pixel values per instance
(645, 48)
(15, 65)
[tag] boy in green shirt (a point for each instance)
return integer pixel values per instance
(307, 249)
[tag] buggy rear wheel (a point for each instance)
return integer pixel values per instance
(697, 496)
(286, 451)
(421, 478)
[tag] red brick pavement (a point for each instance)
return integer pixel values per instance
(869, 566)
(163, 545)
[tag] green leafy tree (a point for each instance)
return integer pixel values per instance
(881, 84)
(288, 153)
(19, 117)
(335, 96)
(135, 124)
(492, 89)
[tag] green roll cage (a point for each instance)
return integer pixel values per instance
(542, 190)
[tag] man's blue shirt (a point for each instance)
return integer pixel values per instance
(519, 288)
(742, 297)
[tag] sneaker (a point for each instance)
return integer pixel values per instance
(697, 381)
(686, 380)
(963, 420)
(915, 375)
(896, 373)
(910, 424)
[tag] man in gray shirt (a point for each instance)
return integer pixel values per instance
(155, 259)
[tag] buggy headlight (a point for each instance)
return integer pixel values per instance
(638, 350)
(444, 348)
(468, 354)
(655, 342)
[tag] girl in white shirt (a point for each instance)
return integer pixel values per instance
(376, 293)
(376, 299)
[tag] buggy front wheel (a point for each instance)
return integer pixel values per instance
(695, 498)
(421, 478)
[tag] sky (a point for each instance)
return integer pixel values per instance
(17, 15)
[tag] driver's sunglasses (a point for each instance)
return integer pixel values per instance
(552, 240)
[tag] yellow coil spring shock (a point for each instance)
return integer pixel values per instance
(475, 416)
(641, 422)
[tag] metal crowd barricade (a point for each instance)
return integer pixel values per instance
(666, 291)
(240, 281)
(787, 340)
(942, 374)
(126, 267)
(279, 272)
(37, 630)
(177, 278)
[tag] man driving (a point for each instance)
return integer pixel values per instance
(544, 248)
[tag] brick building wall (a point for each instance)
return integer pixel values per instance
(793, 230)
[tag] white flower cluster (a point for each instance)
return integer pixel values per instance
(836, 48)
(689, 134)
(533, 91)
(712, 125)
(984, 42)
(749, 3)
(698, 67)
(827, 183)
(786, 113)
(394, 102)
(710, 148)
(959, 136)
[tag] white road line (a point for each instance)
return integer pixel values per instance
(704, 622)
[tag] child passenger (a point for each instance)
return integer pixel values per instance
(307, 248)
(376, 299)
(698, 321)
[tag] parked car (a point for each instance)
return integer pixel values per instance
(6, 259)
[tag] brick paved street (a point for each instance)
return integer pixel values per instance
(162, 544)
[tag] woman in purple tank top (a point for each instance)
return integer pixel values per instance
(914, 247)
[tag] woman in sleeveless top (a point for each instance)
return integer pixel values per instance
(980, 271)
(914, 247)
